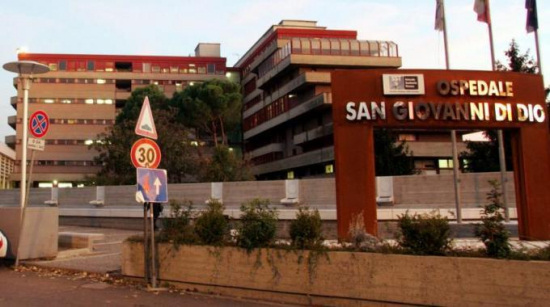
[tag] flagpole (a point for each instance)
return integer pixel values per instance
(538, 52)
(500, 135)
(447, 63)
(456, 175)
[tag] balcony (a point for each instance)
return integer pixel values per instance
(322, 155)
(276, 44)
(274, 147)
(313, 134)
(10, 141)
(12, 121)
(13, 102)
(309, 77)
(296, 109)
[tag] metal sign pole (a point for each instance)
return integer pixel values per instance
(29, 181)
(153, 261)
(145, 244)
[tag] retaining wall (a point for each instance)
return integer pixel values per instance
(419, 191)
(347, 278)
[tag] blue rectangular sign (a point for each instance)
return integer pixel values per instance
(152, 185)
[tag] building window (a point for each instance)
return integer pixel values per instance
(109, 66)
(62, 65)
(445, 163)
(407, 137)
(52, 66)
(146, 67)
(123, 66)
(90, 65)
(211, 68)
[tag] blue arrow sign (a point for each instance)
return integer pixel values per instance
(152, 185)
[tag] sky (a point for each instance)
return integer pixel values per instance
(174, 27)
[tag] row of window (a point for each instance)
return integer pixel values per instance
(69, 100)
(71, 142)
(74, 80)
(340, 47)
(107, 81)
(274, 59)
(68, 121)
(274, 109)
(61, 163)
(109, 66)
(252, 102)
(343, 47)
(247, 68)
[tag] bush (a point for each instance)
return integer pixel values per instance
(257, 225)
(211, 226)
(426, 234)
(359, 237)
(178, 228)
(492, 231)
(305, 230)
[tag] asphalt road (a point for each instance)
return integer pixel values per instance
(54, 288)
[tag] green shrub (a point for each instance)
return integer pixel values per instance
(305, 230)
(492, 231)
(211, 226)
(258, 224)
(426, 234)
(177, 228)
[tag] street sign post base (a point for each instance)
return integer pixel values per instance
(156, 289)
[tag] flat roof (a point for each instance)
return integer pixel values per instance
(6, 151)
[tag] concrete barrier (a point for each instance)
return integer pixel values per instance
(346, 278)
(39, 239)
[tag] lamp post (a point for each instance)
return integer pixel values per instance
(25, 70)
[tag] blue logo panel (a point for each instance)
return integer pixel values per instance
(152, 185)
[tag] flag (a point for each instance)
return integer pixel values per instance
(481, 7)
(439, 23)
(532, 19)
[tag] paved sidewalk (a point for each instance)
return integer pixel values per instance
(103, 257)
(39, 287)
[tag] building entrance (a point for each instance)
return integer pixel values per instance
(440, 99)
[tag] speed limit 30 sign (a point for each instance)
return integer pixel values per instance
(145, 153)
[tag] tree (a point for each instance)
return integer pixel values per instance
(518, 62)
(115, 145)
(212, 108)
(483, 156)
(224, 165)
(391, 158)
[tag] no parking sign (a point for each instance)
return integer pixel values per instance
(39, 123)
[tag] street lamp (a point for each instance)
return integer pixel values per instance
(25, 70)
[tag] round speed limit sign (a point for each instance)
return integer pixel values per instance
(145, 153)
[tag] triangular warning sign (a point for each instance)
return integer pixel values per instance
(146, 125)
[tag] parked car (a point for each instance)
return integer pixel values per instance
(3, 245)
